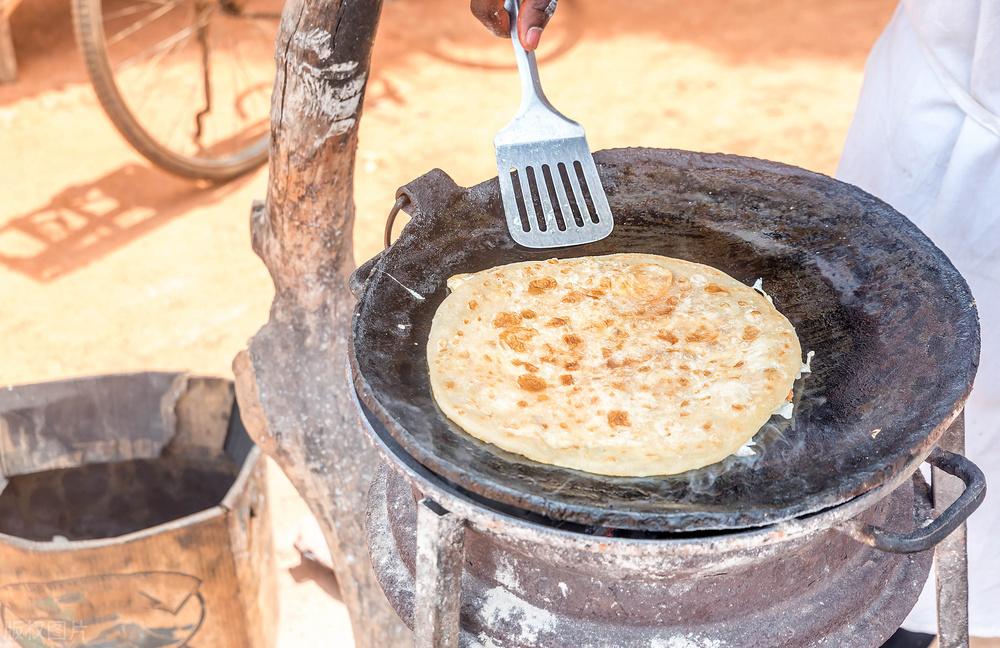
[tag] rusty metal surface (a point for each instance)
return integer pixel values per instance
(821, 590)
(891, 320)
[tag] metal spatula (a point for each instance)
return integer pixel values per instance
(552, 195)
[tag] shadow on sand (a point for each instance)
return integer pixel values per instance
(87, 221)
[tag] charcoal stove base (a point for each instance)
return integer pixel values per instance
(832, 591)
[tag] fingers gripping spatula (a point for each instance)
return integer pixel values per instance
(552, 195)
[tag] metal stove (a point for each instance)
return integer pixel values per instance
(824, 537)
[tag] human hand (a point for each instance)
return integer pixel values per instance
(531, 19)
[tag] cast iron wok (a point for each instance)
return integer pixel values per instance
(892, 322)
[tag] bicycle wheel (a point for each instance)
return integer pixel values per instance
(186, 82)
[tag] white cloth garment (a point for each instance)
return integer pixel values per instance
(926, 139)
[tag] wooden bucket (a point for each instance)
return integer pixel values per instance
(133, 512)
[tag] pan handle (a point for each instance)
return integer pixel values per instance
(360, 275)
(402, 201)
(928, 536)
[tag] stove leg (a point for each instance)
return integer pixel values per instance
(951, 557)
(440, 555)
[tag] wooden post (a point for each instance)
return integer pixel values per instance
(8, 62)
(292, 381)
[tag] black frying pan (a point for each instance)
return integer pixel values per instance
(892, 323)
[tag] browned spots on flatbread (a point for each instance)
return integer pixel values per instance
(522, 403)
(750, 333)
(557, 321)
(614, 363)
(716, 289)
(527, 365)
(473, 304)
(450, 384)
(771, 373)
(531, 383)
(506, 320)
(738, 407)
(619, 418)
(702, 334)
(571, 366)
(573, 297)
(572, 340)
(594, 293)
(707, 425)
(516, 338)
(668, 336)
(538, 286)
(566, 379)
(528, 314)
(653, 309)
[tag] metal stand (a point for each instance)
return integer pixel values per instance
(440, 556)
(951, 557)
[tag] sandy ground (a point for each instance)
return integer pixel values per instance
(108, 265)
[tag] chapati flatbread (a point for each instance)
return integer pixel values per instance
(626, 364)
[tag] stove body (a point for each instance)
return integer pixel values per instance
(823, 538)
(521, 585)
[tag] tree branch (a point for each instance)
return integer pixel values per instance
(292, 382)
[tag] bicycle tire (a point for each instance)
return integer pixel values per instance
(89, 30)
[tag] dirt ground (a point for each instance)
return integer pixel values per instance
(109, 265)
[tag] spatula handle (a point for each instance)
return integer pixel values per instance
(532, 95)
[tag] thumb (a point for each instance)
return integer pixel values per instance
(531, 20)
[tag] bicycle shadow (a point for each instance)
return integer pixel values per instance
(85, 222)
